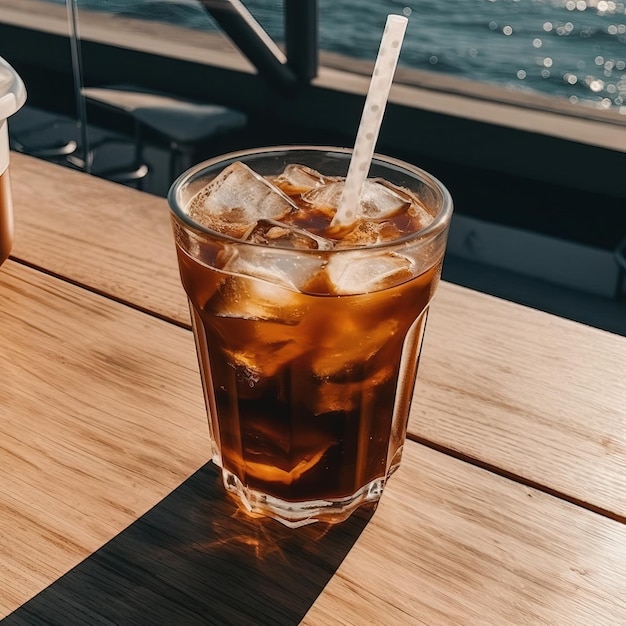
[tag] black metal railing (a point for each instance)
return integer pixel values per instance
(285, 73)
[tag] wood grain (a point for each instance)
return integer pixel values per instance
(453, 544)
(101, 418)
(525, 392)
(105, 236)
(92, 394)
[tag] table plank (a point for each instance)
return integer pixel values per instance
(538, 396)
(101, 417)
(534, 395)
(453, 544)
(105, 236)
(91, 395)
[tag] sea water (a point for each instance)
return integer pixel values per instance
(574, 49)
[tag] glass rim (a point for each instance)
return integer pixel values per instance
(439, 224)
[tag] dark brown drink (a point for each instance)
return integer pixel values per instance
(6, 217)
(12, 97)
(308, 339)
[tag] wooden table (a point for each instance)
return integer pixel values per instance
(509, 506)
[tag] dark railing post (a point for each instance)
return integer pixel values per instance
(620, 258)
(301, 38)
(248, 35)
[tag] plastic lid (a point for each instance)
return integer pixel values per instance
(12, 90)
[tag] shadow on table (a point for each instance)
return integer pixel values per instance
(194, 559)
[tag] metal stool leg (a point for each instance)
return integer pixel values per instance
(137, 171)
(77, 70)
(181, 159)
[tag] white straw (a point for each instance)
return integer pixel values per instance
(371, 119)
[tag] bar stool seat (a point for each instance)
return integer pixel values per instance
(183, 124)
(49, 137)
(56, 137)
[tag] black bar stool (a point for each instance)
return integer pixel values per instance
(182, 124)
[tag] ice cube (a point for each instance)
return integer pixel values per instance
(277, 234)
(283, 270)
(298, 179)
(354, 273)
(268, 471)
(272, 450)
(344, 396)
(259, 360)
(331, 397)
(378, 201)
(270, 336)
(236, 199)
(353, 352)
(367, 233)
(276, 452)
(246, 298)
(419, 216)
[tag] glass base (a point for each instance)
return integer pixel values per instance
(296, 514)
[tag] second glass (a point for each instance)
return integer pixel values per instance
(12, 97)
(308, 354)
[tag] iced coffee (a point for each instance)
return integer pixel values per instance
(12, 97)
(308, 336)
(6, 217)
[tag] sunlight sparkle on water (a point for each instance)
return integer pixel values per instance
(600, 74)
(606, 7)
(579, 5)
(566, 29)
(616, 29)
(595, 84)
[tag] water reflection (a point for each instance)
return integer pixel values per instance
(495, 41)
